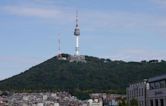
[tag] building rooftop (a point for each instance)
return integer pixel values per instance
(158, 78)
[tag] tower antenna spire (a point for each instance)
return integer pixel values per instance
(76, 18)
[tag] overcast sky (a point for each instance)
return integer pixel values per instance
(130, 30)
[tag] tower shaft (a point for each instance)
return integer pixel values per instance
(77, 45)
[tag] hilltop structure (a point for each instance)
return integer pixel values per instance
(76, 57)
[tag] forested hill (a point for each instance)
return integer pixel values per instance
(96, 75)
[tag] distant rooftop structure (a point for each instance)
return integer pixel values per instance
(71, 58)
(77, 58)
(42, 99)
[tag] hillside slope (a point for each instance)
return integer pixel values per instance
(96, 75)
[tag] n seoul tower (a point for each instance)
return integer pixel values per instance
(77, 34)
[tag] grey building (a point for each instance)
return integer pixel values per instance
(151, 92)
(137, 91)
(156, 95)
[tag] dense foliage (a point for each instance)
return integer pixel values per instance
(97, 75)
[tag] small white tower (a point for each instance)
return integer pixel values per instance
(59, 45)
(59, 48)
(60, 55)
(77, 34)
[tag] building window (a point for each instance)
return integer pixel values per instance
(136, 90)
(142, 103)
(139, 92)
(151, 102)
(156, 102)
(162, 84)
(152, 86)
(132, 93)
(157, 85)
(142, 91)
(161, 102)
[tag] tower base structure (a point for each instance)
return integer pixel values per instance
(71, 58)
(77, 58)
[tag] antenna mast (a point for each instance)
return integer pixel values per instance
(59, 46)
